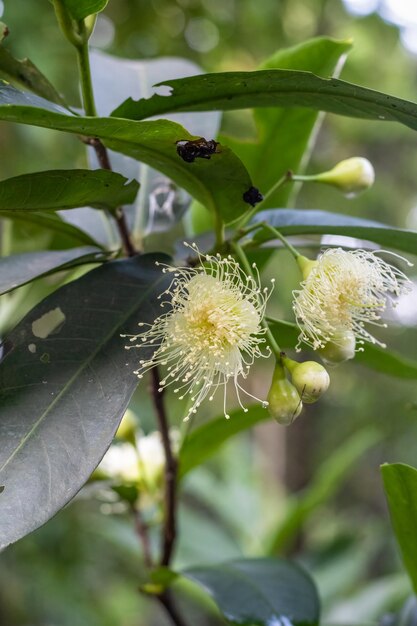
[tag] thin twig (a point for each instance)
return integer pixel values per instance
(104, 162)
(143, 534)
(166, 601)
(169, 530)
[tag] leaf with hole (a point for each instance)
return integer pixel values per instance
(228, 91)
(160, 203)
(285, 136)
(65, 382)
(218, 183)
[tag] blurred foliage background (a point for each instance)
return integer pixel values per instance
(84, 567)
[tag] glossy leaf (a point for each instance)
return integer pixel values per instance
(53, 222)
(65, 381)
(18, 269)
(229, 91)
(27, 75)
(218, 183)
(66, 189)
(284, 135)
(400, 484)
(374, 357)
(311, 222)
(159, 204)
(205, 440)
(265, 592)
(79, 9)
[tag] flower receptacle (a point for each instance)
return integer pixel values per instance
(284, 402)
(341, 349)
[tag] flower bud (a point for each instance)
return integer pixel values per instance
(351, 176)
(309, 378)
(284, 403)
(340, 349)
(128, 427)
(305, 265)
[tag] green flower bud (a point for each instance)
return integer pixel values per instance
(309, 378)
(128, 427)
(305, 265)
(341, 349)
(284, 403)
(351, 176)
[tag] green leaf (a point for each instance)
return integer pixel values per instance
(116, 78)
(400, 484)
(66, 189)
(229, 91)
(326, 482)
(205, 440)
(65, 382)
(27, 75)
(311, 222)
(284, 134)
(265, 592)
(79, 9)
(218, 183)
(52, 221)
(18, 269)
(374, 357)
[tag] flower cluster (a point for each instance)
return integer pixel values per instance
(211, 332)
(342, 291)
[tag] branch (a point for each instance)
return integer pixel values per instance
(169, 530)
(142, 532)
(104, 161)
(166, 601)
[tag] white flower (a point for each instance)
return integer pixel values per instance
(121, 462)
(212, 331)
(341, 292)
(140, 462)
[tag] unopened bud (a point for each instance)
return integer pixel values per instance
(351, 176)
(305, 265)
(128, 427)
(309, 378)
(284, 401)
(341, 349)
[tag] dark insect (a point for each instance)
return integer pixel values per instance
(189, 151)
(252, 196)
